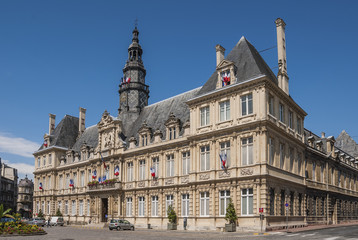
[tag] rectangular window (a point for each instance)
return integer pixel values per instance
(89, 175)
(49, 182)
(322, 173)
(129, 207)
(172, 133)
(50, 159)
(168, 202)
(43, 206)
(282, 113)
(186, 163)
(204, 158)
(313, 171)
(339, 178)
(298, 122)
(247, 151)
(67, 181)
(144, 140)
(82, 179)
(37, 207)
(272, 202)
(170, 165)
(204, 116)
(290, 119)
(88, 208)
(141, 202)
(292, 160)
(141, 169)
(225, 153)
(44, 160)
(224, 199)
(73, 208)
(75, 179)
(247, 201)
(271, 105)
(155, 166)
(48, 208)
(246, 105)
(130, 171)
(43, 183)
(154, 206)
(204, 204)
(224, 111)
(59, 206)
(282, 155)
(38, 162)
(299, 163)
(81, 208)
(66, 207)
(271, 151)
(185, 205)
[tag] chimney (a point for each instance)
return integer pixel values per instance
(220, 54)
(281, 53)
(82, 121)
(51, 125)
(323, 135)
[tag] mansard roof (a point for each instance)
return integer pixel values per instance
(65, 133)
(157, 114)
(88, 137)
(347, 144)
(248, 62)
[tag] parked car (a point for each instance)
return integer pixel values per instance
(37, 221)
(120, 224)
(57, 221)
(7, 219)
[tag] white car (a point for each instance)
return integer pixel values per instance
(57, 221)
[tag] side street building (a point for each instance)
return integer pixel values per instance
(8, 186)
(240, 136)
(24, 199)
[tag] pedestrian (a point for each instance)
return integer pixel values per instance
(48, 222)
(90, 220)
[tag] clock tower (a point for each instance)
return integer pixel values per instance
(133, 91)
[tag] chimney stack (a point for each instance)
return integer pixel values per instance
(281, 53)
(220, 54)
(51, 125)
(82, 121)
(323, 135)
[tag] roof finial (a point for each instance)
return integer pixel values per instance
(136, 23)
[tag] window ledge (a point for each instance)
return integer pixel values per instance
(247, 116)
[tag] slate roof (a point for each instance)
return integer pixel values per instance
(89, 137)
(65, 133)
(248, 62)
(157, 114)
(347, 144)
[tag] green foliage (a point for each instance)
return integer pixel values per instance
(5, 213)
(230, 215)
(93, 183)
(40, 214)
(172, 216)
(58, 213)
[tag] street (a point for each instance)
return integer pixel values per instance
(72, 233)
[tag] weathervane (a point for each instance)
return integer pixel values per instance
(136, 23)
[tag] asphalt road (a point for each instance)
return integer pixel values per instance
(74, 233)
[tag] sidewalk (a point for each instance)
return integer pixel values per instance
(317, 227)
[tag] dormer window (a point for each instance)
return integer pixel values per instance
(172, 133)
(144, 134)
(172, 125)
(144, 140)
(225, 78)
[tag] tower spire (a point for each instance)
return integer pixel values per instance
(134, 93)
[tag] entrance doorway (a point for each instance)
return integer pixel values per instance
(104, 210)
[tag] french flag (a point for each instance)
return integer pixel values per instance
(152, 172)
(45, 143)
(94, 175)
(104, 164)
(128, 79)
(40, 186)
(223, 160)
(116, 171)
(225, 78)
(71, 183)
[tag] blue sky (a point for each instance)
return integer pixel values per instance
(56, 56)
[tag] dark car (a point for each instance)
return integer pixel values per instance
(7, 219)
(120, 224)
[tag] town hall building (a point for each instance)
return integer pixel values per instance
(239, 137)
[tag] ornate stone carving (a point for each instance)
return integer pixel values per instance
(129, 186)
(247, 172)
(204, 176)
(224, 174)
(169, 181)
(185, 180)
(154, 183)
(141, 184)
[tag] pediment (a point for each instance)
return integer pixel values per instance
(172, 120)
(144, 129)
(224, 63)
(106, 120)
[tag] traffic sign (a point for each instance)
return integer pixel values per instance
(261, 210)
(286, 205)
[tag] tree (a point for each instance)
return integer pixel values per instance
(230, 215)
(58, 213)
(172, 216)
(40, 214)
(5, 213)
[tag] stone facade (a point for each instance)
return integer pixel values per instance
(25, 197)
(240, 136)
(8, 186)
